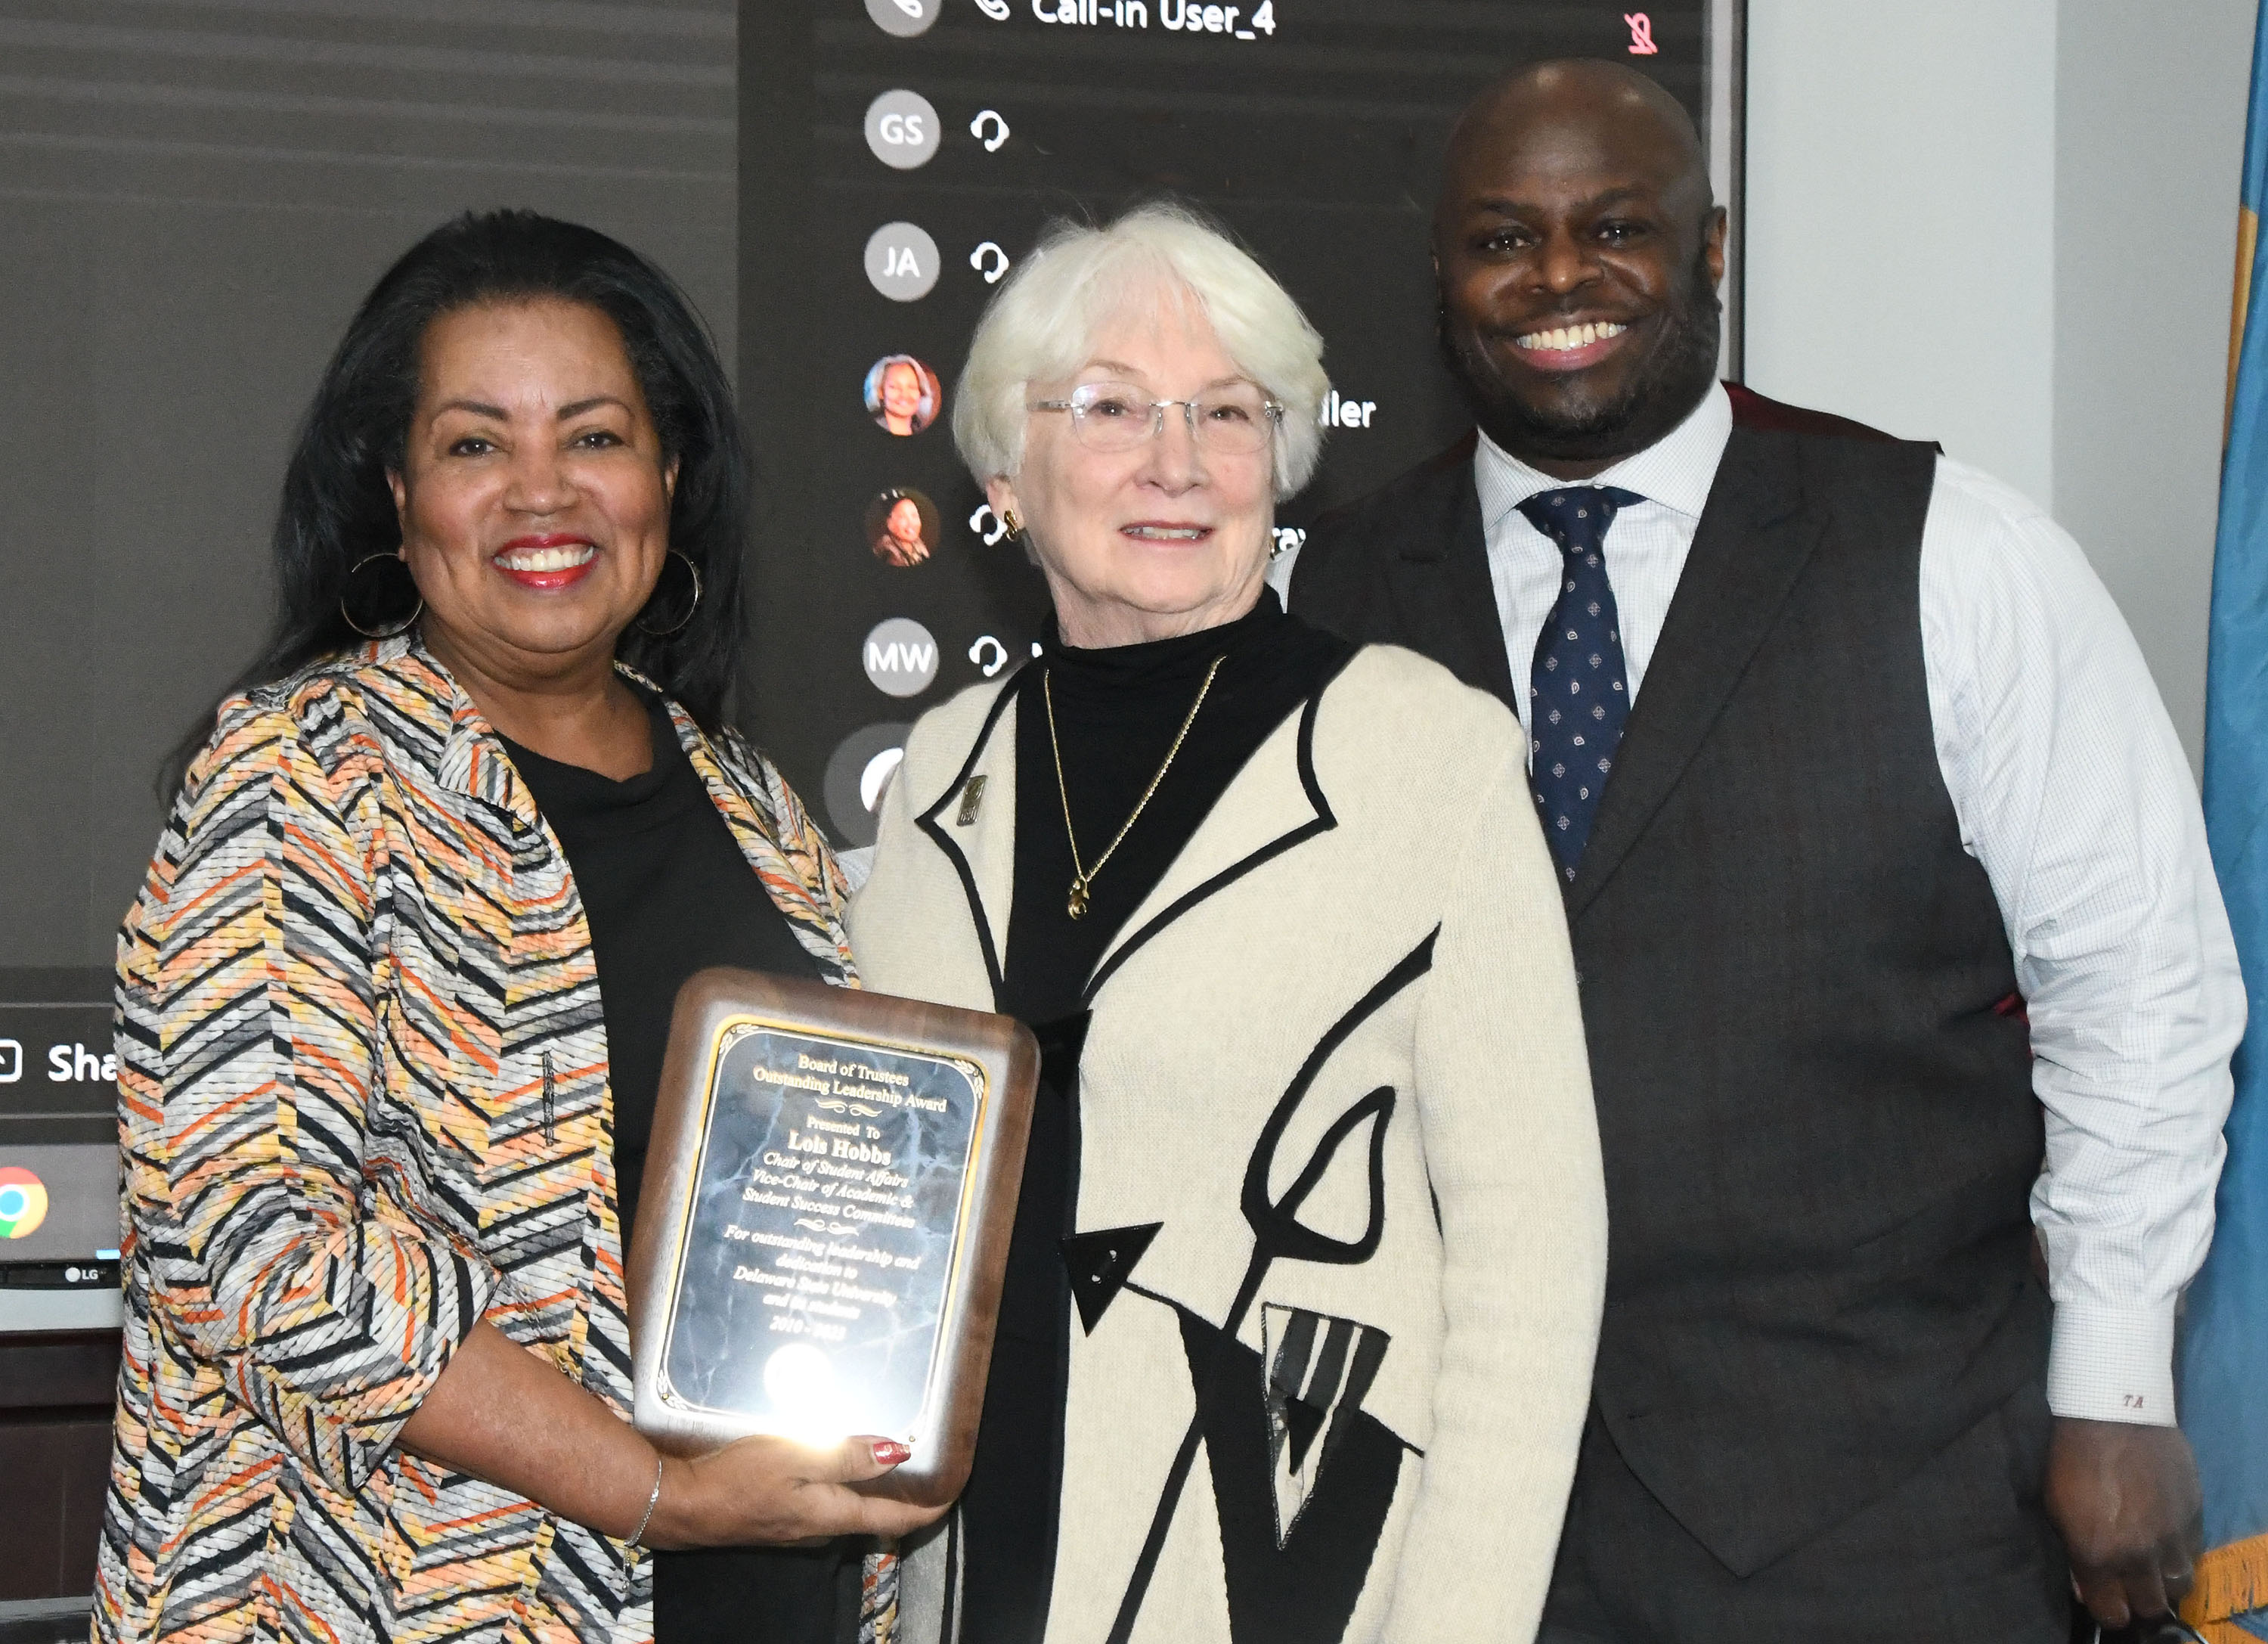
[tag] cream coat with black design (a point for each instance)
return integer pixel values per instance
(1337, 1060)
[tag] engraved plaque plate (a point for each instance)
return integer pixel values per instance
(826, 1212)
(829, 1195)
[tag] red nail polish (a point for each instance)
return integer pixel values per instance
(889, 1453)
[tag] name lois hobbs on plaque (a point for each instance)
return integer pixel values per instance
(829, 1190)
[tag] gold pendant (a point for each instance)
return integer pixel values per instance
(1078, 899)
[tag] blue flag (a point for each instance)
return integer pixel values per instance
(2224, 1349)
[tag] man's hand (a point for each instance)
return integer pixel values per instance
(2127, 1501)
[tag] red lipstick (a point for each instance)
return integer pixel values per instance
(548, 562)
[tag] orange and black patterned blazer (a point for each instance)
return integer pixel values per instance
(363, 1104)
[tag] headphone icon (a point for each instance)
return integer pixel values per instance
(992, 532)
(1000, 133)
(989, 261)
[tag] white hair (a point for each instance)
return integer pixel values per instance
(1040, 326)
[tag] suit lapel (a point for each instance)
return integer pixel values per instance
(1754, 540)
(1443, 550)
(982, 848)
(1274, 804)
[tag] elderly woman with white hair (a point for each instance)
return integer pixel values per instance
(1297, 1333)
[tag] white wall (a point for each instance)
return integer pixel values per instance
(2150, 141)
(2009, 225)
(1901, 219)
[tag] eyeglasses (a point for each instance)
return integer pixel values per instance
(1233, 421)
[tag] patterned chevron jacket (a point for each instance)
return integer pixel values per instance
(363, 1103)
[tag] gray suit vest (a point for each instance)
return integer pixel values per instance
(1813, 1082)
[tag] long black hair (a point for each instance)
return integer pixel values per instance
(337, 508)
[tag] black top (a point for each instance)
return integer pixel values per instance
(668, 892)
(1116, 713)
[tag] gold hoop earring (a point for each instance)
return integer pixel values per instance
(1015, 526)
(402, 627)
(678, 626)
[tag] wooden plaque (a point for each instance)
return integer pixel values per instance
(824, 1222)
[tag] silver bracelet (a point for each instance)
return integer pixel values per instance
(637, 1536)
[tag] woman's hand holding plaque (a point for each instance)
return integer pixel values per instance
(765, 1491)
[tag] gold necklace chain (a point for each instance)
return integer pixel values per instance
(1083, 876)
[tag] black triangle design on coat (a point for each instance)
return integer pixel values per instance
(1100, 1263)
(1302, 1421)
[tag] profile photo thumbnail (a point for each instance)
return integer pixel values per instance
(901, 528)
(903, 395)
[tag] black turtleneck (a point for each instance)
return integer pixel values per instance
(1116, 712)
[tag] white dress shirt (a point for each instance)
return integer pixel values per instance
(2072, 792)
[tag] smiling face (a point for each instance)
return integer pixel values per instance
(901, 392)
(1578, 257)
(534, 494)
(1166, 538)
(905, 523)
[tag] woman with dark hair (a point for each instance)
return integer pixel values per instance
(393, 1002)
(900, 535)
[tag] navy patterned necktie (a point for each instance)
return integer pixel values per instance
(1578, 695)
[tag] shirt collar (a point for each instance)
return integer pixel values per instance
(1675, 471)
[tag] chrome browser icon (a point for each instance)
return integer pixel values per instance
(22, 1203)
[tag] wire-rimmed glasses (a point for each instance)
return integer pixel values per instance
(1235, 420)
